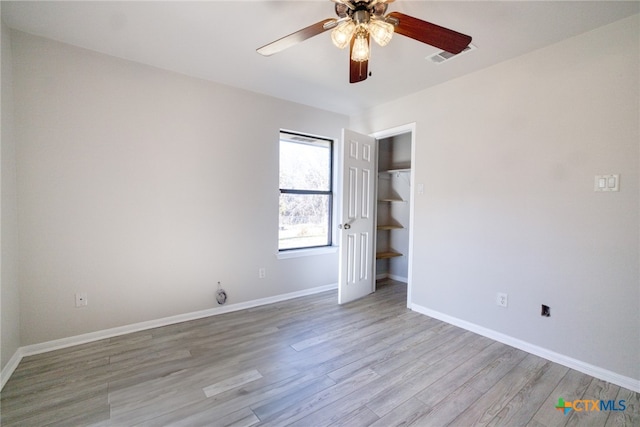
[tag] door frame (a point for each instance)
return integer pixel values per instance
(387, 133)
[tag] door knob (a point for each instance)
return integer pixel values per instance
(346, 226)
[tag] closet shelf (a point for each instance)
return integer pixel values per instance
(391, 200)
(387, 255)
(396, 170)
(389, 227)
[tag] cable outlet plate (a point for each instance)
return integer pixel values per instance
(545, 311)
(502, 299)
(81, 299)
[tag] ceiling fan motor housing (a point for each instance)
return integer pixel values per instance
(361, 16)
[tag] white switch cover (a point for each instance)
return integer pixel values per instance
(607, 183)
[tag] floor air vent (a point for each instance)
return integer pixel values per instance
(444, 56)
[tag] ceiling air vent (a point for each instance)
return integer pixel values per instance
(444, 56)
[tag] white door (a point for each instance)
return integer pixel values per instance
(357, 216)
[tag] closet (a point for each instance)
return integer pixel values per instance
(393, 207)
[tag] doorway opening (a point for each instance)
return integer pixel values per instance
(395, 205)
(376, 211)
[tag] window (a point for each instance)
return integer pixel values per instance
(306, 196)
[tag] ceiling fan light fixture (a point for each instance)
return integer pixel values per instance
(381, 31)
(342, 34)
(360, 51)
(360, 20)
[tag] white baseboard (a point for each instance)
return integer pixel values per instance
(11, 366)
(570, 362)
(399, 278)
(382, 276)
(32, 349)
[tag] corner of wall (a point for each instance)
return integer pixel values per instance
(9, 290)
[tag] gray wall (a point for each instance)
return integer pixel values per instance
(9, 291)
(508, 157)
(144, 188)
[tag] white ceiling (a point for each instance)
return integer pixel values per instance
(216, 40)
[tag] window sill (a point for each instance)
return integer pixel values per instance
(297, 253)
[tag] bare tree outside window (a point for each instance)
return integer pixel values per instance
(305, 192)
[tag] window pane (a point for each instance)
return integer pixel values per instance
(304, 220)
(305, 165)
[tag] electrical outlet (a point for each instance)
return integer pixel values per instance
(262, 272)
(502, 299)
(81, 299)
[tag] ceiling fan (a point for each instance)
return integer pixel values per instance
(360, 20)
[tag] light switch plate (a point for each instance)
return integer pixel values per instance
(607, 183)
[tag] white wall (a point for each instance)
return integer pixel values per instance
(508, 157)
(144, 188)
(9, 291)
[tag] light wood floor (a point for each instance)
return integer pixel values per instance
(304, 362)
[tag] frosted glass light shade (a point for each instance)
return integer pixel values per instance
(341, 35)
(360, 51)
(381, 31)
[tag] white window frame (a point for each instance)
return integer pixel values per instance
(332, 247)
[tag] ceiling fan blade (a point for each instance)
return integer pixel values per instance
(432, 34)
(358, 70)
(294, 38)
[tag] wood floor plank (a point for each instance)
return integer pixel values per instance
(404, 415)
(233, 382)
(447, 409)
(493, 400)
(320, 400)
(390, 357)
(597, 390)
(524, 404)
(210, 418)
(233, 401)
(141, 409)
(437, 391)
(61, 415)
(379, 355)
(362, 416)
(280, 403)
(306, 362)
(53, 400)
(434, 350)
(570, 387)
(398, 394)
(488, 376)
(358, 326)
(360, 396)
(631, 414)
